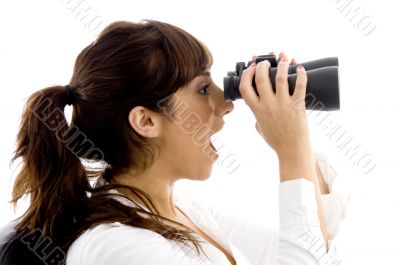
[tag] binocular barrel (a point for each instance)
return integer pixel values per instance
(322, 92)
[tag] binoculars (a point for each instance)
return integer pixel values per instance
(322, 92)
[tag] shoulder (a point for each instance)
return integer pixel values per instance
(121, 244)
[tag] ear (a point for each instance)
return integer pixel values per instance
(145, 122)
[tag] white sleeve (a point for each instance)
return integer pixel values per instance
(123, 245)
(299, 239)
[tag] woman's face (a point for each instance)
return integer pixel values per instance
(194, 113)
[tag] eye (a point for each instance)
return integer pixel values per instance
(204, 90)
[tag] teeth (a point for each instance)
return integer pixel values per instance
(212, 145)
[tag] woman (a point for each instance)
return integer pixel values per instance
(144, 109)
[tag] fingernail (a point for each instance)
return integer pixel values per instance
(284, 59)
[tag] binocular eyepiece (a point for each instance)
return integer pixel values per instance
(322, 92)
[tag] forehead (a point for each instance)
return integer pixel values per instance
(197, 79)
(206, 73)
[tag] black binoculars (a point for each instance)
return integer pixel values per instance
(322, 92)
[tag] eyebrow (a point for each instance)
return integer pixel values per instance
(206, 73)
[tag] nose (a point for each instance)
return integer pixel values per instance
(222, 107)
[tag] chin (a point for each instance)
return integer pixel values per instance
(205, 177)
(202, 168)
(203, 173)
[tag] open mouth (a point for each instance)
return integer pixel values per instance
(213, 147)
(214, 152)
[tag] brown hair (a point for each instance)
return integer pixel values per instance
(129, 64)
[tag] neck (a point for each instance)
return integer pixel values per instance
(155, 183)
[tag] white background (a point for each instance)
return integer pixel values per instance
(40, 41)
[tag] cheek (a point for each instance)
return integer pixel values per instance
(191, 124)
(197, 125)
(199, 116)
(188, 144)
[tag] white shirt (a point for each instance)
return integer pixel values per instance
(298, 241)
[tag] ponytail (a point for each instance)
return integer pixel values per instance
(52, 174)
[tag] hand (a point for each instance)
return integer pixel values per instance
(281, 121)
(281, 118)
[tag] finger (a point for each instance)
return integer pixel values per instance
(246, 87)
(281, 55)
(264, 86)
(281, 79)
(299, 93)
